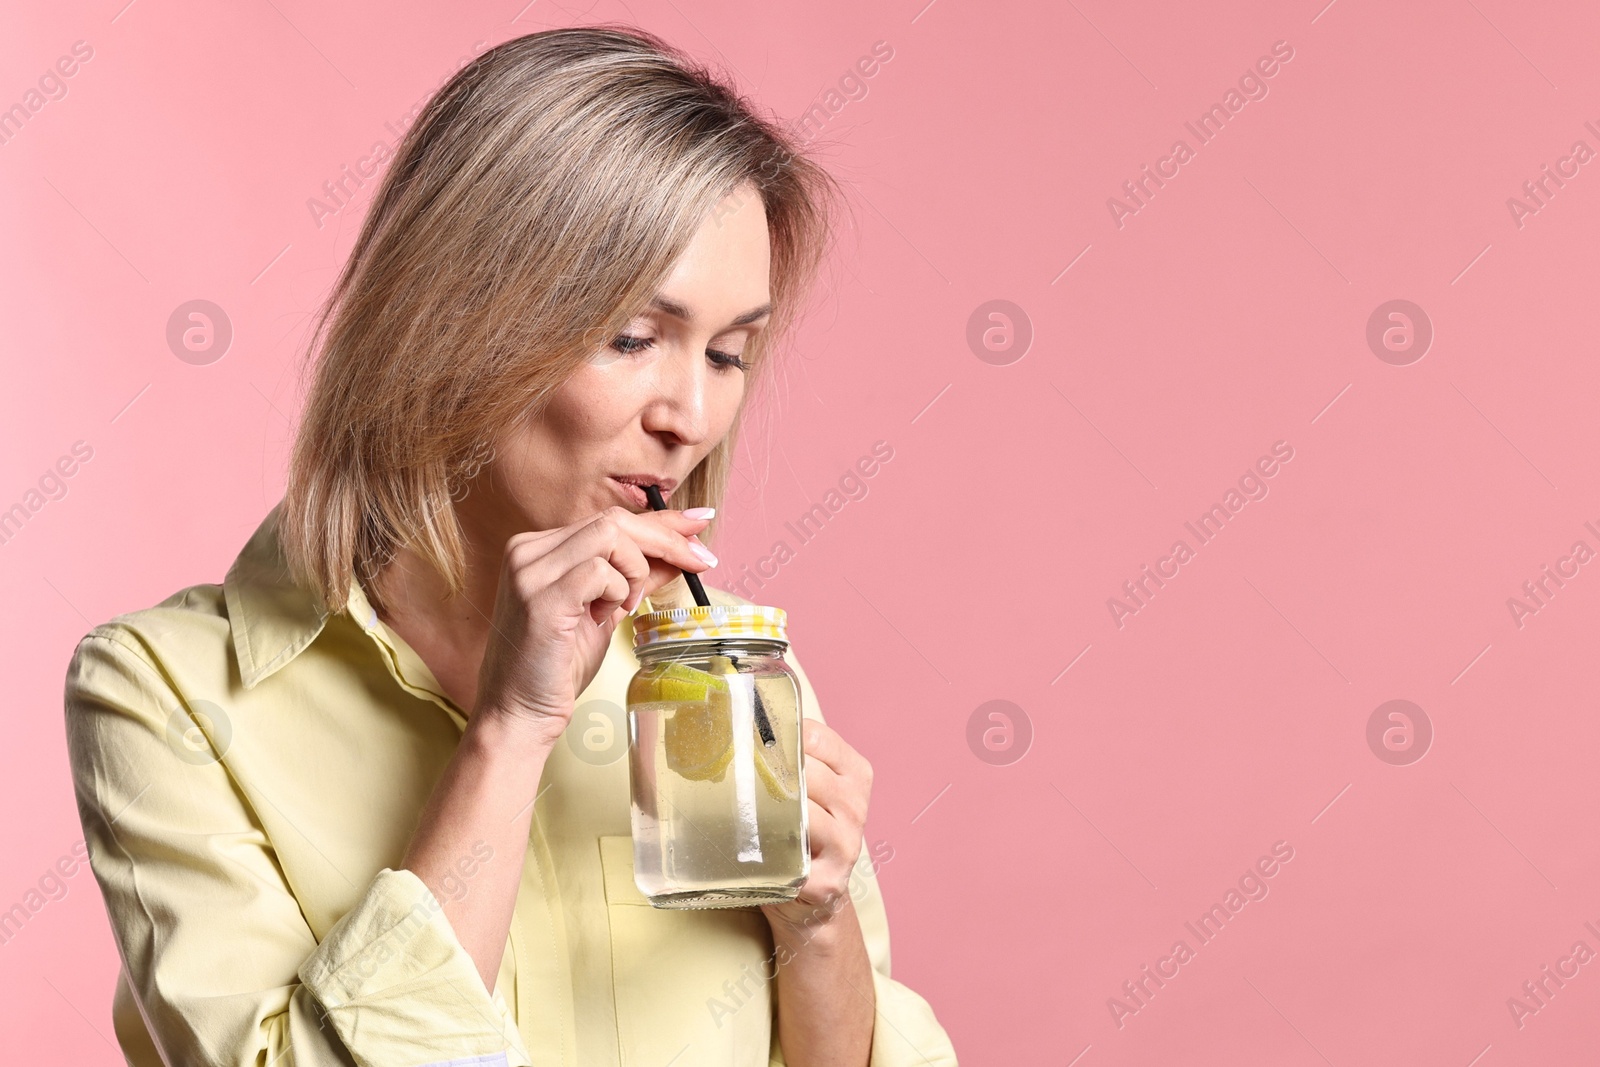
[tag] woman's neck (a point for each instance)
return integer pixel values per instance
(450, 633)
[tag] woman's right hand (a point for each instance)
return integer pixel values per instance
(562, 593)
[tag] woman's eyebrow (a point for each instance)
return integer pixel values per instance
(679, 311)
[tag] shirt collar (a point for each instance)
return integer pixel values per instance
(272, 617)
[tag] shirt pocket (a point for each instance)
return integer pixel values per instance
(690, 984)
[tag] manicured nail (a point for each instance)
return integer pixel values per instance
(703, 552)
(699, 513)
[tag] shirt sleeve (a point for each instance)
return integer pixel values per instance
(905, 1032)
(219, 958)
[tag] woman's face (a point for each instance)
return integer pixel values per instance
(651, 403)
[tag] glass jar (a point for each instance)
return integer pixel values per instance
(715, 760)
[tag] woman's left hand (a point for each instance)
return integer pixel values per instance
(838, 787)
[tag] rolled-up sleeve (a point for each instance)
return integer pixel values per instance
(905, 1032)
(219, 957)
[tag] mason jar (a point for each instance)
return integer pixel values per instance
(715, 760)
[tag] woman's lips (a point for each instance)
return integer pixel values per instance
(631, 493)
(634, 494)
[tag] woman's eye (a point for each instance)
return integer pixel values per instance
(726, 359)
(629, 343)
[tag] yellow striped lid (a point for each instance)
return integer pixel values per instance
(708, 623)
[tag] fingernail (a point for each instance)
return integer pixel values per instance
(703, 552)
(699, 513)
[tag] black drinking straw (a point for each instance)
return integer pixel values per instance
(763, 725)
(693, 580)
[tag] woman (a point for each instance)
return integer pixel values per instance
(348, 806)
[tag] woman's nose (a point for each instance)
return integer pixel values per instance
(680, 406)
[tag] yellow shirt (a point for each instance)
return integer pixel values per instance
(249, 771)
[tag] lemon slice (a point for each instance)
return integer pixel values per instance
(699, 740)
(676, 682)
(698, 736)
(782, 783)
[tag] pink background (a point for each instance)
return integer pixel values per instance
(1228, 314)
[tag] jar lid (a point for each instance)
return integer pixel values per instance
(709, 623)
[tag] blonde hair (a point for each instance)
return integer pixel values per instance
(535, 207)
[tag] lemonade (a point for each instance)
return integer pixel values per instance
(718, 813)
